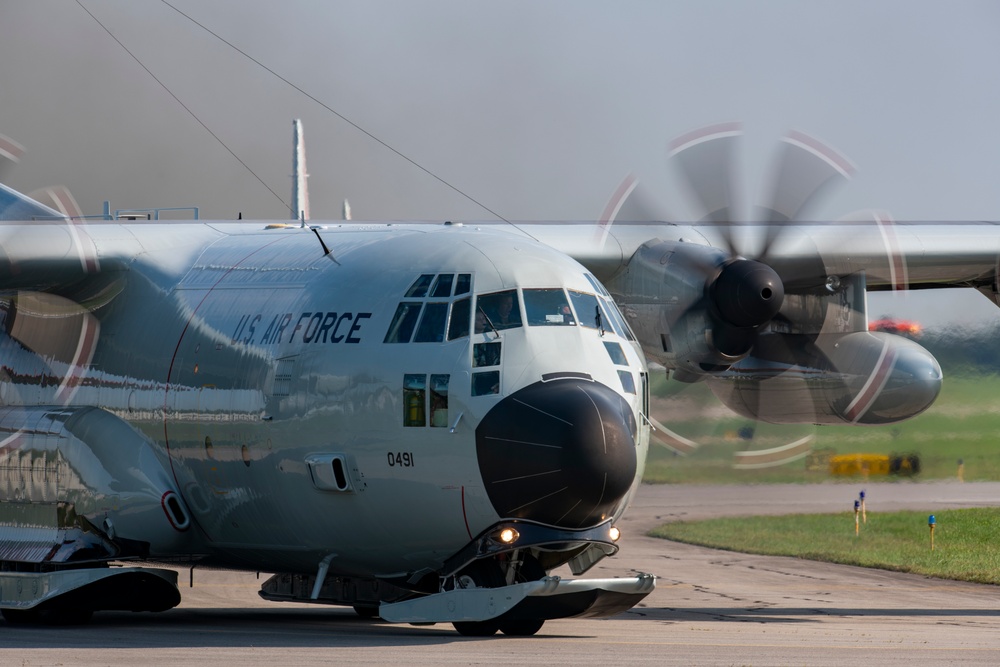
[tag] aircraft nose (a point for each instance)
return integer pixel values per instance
(559, 452)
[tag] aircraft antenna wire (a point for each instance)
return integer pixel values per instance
(186, 108)
(347, 120)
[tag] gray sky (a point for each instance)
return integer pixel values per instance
(536, 109)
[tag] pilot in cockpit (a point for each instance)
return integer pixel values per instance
(506, 316)
(504, 307)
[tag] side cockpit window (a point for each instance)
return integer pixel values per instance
(610, 308)
(501, 308)
(618, 320)
(421, 320)
(587, 310)
(432, 323)
(403, 323)
(458, 324)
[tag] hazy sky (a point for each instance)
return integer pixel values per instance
(536, 109)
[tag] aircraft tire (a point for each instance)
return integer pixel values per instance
(477, 628)
(366, 611)
(524, 628)
(21, 616)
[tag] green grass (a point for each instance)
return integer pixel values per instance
(965, 540)
(964, 424)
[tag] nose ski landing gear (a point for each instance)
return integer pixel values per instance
(521, 609)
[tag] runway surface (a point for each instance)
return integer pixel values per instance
(710, 607)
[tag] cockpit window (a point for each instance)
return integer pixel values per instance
(587, 309)
(616, 353)
(484, 384)
(501, 308)
(419, 287)
(547, 308)
(403, 323)
(621, 326)
(431, 329)
(421, 322)
(598, 287)
(458, 326)
(442, 286)
(608, 323)
(486, 354)
(628, 382)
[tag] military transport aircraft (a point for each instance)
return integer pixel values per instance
(419, 420)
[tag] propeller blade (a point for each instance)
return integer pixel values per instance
(10, 153)
(806, 167)
(705, 160)
(58, 330)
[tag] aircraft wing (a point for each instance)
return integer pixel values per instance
(892, 255)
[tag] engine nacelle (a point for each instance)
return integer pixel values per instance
(81, 484)
(694, 308)
(854, 378)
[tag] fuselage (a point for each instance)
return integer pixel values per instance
(312, 406)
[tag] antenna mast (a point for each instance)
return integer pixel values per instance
(300, 191)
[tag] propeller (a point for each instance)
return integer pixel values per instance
(759, 279)
(59, 198)
(59, 331)
(804, 169)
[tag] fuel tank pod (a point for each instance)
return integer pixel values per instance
(855, 378)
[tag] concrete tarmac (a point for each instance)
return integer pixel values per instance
(710, 607)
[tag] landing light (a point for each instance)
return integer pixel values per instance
(614, 533)
(508, 535)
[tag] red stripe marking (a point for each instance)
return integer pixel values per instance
(822, 149)
(703, 134)
(81, 361)
(10, 149)
(12, 442)
(173, 358)
(864, 401)
(774, 456)
(464, 515)
(65, 201)
(897, 262)
(88, 249)
(614, 205)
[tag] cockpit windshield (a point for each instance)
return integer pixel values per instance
(547, 307)
(438, 308)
